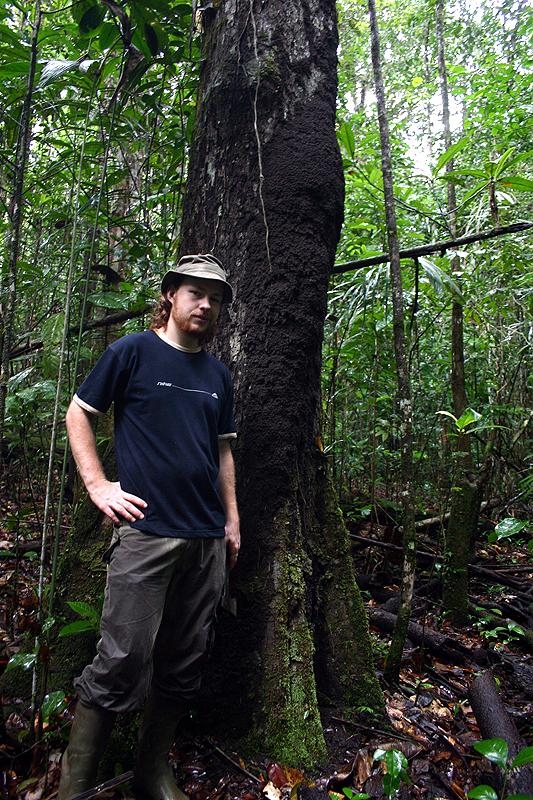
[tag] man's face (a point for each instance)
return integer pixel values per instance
(196, 306)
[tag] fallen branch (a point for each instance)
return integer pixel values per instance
(435, 247)
(111, 319)
(433, 641)
(233, 763)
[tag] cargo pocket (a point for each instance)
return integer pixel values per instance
(115, 541)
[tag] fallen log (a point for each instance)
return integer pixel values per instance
(497, 577)
(495, 722)
(434, 642)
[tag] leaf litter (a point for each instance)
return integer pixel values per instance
(430, 719)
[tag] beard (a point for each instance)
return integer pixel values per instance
(186, 324)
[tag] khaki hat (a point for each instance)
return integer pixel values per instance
(199, 266)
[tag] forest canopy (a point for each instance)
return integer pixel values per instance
(103, 183)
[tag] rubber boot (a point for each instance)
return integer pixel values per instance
(88, 739)
(153, 778)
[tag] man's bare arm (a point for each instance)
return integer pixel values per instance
(108, 496)
(226, 482)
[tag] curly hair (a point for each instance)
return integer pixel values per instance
(161, 314)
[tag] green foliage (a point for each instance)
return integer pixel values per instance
(494, 627)
(493, 177)
(497, 751)
(355, 795)
(506, 529)
(90, 618)
(396, 764)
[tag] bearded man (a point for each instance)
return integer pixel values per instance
(176, 524)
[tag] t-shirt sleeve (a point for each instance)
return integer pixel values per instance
(226, 422)
(105, 381)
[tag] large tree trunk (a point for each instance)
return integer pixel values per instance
(265, 194)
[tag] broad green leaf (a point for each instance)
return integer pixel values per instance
(496, 750)
(109, 300)
(108, 35)
(449, 154)
(24, 660)
(417, 82)
(151, 39)
(347, 138)
(468, 418)
(80, 626)
(52, 329)
(438, 278)
(519, 797)
(525, 756)
(475, 191)
(448, 414)
(55, 701)
(483, 792)
(508, 527)
(522, 157)
(92, 19)
(519, 184)
(391, 784)
(396, 762)
(19, 378)
(84, 610)
(15, 70)
(503, 161)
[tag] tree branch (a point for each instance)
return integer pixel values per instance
(110, 319)
(435, 247)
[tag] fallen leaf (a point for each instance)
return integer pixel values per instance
(272, 792)
(276, 774)
(294, 776)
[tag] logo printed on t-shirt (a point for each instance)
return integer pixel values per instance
(184, 389)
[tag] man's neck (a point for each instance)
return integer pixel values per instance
(179, 337)
(165, 337)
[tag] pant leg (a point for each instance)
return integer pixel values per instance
(185, 632)
(139, 572)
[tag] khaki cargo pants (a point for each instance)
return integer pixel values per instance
(160, 602)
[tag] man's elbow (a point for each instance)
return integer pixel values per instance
(74, 415)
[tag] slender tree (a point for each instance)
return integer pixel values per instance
(21, 156)
(392, 667)
(467, 489)
(265, 193)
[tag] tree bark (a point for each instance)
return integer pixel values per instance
(393, 663)
(265, 194)
(494, 721)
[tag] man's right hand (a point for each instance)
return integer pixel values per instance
(115, 503)
(108, 496)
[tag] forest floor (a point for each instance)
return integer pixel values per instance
(431, 718)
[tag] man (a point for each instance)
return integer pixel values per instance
(175, 517)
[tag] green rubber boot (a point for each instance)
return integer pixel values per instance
(153, 778)
(88, 739)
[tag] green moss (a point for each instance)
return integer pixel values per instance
(293, 731)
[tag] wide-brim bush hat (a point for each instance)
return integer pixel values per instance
(199, 266)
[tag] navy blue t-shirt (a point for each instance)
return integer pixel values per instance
(171, 407)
